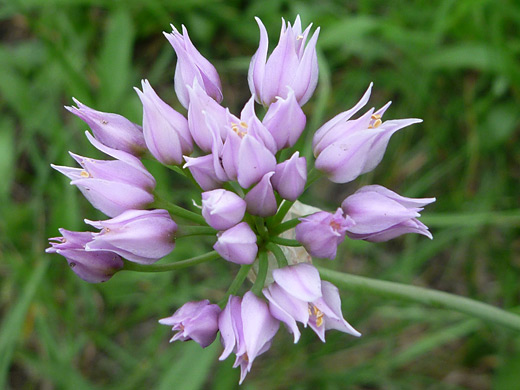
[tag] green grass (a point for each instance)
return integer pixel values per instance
(452, 63)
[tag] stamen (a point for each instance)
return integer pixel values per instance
(243, 124)
(375, 116)
(84, 174)
(299, 37)
(315, 312)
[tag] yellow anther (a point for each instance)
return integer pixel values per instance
(299, 37)
(377, 123)
(315, 312)
(375, 116)
(243, 124)
(84, 174)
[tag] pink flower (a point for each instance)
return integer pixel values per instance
(247, 329)
(322, 232)
(196, 321)
(299, 295)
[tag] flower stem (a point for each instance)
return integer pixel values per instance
(438, 299)
(278, 254)
(130, 266)
(284, 241)
(187, 231)
(178, 211)
(235, 285)
(282, 211)
(285, 226)
(262, 273)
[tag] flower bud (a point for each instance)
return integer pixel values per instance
(191, 66)
(290, 177)
(260, 199)
(166, 131)
(285, 120)
(111, 186)
(254, 161)
(141, 236)
(201, 107)
(222, 209)
(196, 321)
(203, 171)
(380, 214)
(322, 232)
(237, 244)
(91, 266)
(292, 64)
(112, 130)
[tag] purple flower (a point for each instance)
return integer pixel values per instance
(247, 329)
(222, 209)
(112, 130)
(191, 66)
(196, 321)
(237, 244)
(380, 214)
(299, 295)
(260, 199)
(111, 186)
(201, 107)
(165, 130)
(322, 232)
(345, 149)
(285, 120)
(91, 266)
(203, 171)
(290, 177)
(291, 64)
(141, 236)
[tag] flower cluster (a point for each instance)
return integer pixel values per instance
(250, 174)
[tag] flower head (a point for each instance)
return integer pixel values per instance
(299, 295)
(196, 321)
(222, 209)
(293, 63)
(112, 130)
(247, 329)
(380, 214)
(345, 148)
(91, 266)
(322, 232)
(111, 186)
(141, 236)
(237, 244)
(165, 130)
(191, 67)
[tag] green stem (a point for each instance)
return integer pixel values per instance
(187, 231)
(278, 254)
(130, 266)
(438, 299)
(284, 241)
(235, 285)
(285, 226)
(282, 211)
(262, 273)
(178, 211)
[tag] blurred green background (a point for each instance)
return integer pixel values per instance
(454, 63)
